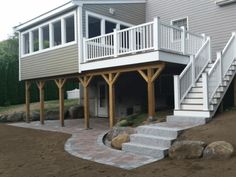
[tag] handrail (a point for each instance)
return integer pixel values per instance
(228, 43)
(204, 45)
(136, 26)
(185, 69)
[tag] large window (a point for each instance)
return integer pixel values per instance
(70, 29)
(26, 43)
(98, 25)
(35, 35)
(45, 31)
(55, 33)
(94, 27)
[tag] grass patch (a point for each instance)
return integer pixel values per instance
(49, 105)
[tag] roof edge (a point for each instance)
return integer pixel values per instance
(82, 2)
(46, 15)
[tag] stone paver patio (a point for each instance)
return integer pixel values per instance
(88, 144)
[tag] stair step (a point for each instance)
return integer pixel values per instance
(158, 131)
(198, 84)
(214, 101)
(227, 78)
(156, 141)
(192, 113)
(193, 101)
(217, 95)
(196, 90)
(194, 107)
(187, 119)
(229, 73)
(194, 95)
(152, 151)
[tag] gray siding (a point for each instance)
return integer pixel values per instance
(204, 17)
(129, 13)
(52, 63)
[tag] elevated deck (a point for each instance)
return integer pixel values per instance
(149, 42)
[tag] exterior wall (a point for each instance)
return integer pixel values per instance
(204, 16)
(129, 13)
(51, 63)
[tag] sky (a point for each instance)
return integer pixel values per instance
(13, 13)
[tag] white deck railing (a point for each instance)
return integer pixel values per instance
(186, 80)
(150, 36)
(220, 67)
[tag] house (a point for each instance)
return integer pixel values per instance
(125, 53)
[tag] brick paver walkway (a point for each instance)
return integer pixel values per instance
(88, 144)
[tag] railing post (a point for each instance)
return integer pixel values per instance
(183, 41)
(85, 51)
(209, 49)
(219, 55)
(157, 33)
(177, 92)
(204, 37)
(234, 34)
(115, 43)
(192, 59)
(205, 91)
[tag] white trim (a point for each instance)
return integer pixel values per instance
(50, 49)
(135, 59)
(46, 15)
(103, 19)
(20, 51)
(80, 35)
(82, 2)
(51, 34)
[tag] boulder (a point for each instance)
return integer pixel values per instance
(35, 116)
(15, 117)
(218, 150)
(76, 112)
(186, 150)
(52, 115)
(115, 131)
(119, 140)
(3, 118)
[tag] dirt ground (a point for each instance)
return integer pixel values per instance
(33, 153)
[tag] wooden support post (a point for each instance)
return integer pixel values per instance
(111, 78)
(60, 84)
(27, 100)
(40, 85)
(85, 80)
(149, 75)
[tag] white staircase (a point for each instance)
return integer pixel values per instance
(199, 91)
(202, 85)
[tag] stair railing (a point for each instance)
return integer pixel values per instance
(214, 78)
(187, 79)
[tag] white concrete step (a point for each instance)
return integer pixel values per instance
(151, 140)
(187, 119)
(158, 131)
(194, 107)
(192, 113)
(156, 152)
(193, 101)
